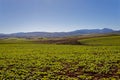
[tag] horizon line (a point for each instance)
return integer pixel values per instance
(60, 31)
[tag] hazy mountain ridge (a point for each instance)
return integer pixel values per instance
(60, 34)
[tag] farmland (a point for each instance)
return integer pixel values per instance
(110, 41)
(95, 59)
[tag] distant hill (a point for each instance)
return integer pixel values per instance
(116, 32)
(59, 34)
(91, 31)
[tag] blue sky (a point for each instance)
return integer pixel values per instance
(58, 15)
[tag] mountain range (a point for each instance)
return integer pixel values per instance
(60, 34)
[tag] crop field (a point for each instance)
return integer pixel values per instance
(110, 41)
(61, 62)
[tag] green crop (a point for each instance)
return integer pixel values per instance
(59, 62)
(110, 40)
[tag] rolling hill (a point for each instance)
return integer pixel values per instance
(59, 34)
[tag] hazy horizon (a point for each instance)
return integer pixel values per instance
(60, 31)
(58, 15)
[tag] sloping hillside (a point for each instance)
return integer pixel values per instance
(109, 40)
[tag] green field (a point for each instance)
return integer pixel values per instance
(96, 59)
(110, 41)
